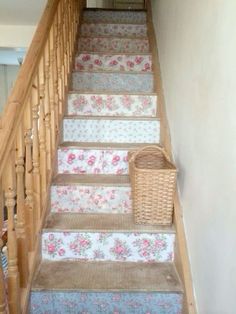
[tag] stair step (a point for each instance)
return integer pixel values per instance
(113, 44)
(106, 287)
(115, 30)
(93, 15)
(111, 130)
(111, 62)
(91, 194)
(105, 237)
(112, 104)
(113, 81)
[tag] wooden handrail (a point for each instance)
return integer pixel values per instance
(29, 133)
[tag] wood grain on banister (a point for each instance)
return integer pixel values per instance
(29, 137)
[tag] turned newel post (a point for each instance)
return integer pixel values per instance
(22, 241)
(10, 202)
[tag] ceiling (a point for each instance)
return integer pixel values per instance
(21, 12)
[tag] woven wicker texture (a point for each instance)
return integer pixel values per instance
(153, 181)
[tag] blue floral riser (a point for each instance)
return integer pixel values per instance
(105, 303)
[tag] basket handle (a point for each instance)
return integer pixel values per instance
(153, 147)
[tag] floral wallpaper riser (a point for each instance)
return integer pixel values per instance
(105, 303)
(108, 246)
(91, 199)
(112, 105)
(111, 131)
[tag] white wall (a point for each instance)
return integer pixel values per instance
(8, 75)
(197, 46)
(16, 35)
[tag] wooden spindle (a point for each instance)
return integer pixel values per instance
(22, 241)
(42, 131)
(36, 162)
(29, 189)
(13, 273)
(47, 109)
(54, 47)
(51, 90)
(60, 61)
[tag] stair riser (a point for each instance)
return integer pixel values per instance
(118, 62)
(91, 199)
(117, 30)
(104, 302)
(111, 131)
(108, 246)
(112, 105)
(114, 16)
(117, 82)
(92, 161)
(119, 45)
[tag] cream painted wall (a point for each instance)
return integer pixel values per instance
(8, 74)
(16, 35)
(197, 46)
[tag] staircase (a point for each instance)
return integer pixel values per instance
(94, 258)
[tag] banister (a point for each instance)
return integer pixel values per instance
(16, 100)
(29, 136)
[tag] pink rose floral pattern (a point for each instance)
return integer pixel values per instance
(111, 131)
(91, 199)
(115, 30)
(112, 81)
(118, 62)
(112, 105)
(91, 161)
(120, 45)
(120, 16)
(102, 246)
(60, 302)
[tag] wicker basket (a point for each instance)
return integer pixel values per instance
(153, 181)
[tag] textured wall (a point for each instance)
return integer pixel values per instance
(197, 46)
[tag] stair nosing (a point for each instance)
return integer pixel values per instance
(114, 53)
(113, 9)
(151, 73)
(126, 118)
(96, 145)
(113, 23)
(118, 37)
(91, 180)
(86, 92)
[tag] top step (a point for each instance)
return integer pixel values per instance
(107, 16)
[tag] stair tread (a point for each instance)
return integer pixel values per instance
(100, 222)
(107, 276)
(113, 180)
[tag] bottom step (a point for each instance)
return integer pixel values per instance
(106, 287)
